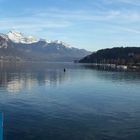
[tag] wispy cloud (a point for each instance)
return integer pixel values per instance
(127, 30)
(59, 19)
(35, 22)
(128, 2)
(89, 15)
(131, 30)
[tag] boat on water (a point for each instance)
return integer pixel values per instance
(1, 126)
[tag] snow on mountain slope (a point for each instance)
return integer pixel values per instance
(4, 36)
(61, 43)
(19, 37)
(17, 45)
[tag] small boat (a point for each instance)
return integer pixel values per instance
(1, 126)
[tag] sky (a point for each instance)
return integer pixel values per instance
(87, 24)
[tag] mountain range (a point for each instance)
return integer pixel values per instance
(17, 46)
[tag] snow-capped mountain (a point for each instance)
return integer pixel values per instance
(4, 36)
(3, 41)
(19, 37)
(61, 43)
(16, 45)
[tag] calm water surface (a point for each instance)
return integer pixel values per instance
(42, 102)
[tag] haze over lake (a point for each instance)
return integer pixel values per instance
(42, 102)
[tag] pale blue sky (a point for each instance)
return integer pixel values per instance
(89, 24)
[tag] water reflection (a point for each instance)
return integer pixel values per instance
(41, 101)
(17, 76)
(14, 86)
(115, 75)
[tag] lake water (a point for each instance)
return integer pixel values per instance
(42, 102)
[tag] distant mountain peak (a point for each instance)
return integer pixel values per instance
(4, 36)
(16, 46)
(19, 37)
(61, 43)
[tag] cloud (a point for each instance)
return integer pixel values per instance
(53, 19)
(34, 22)
(128, 30)
(87, 15)
(128, 2)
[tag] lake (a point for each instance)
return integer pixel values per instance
(42, 102)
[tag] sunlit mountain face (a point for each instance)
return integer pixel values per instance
(17, 46)
(19, 37)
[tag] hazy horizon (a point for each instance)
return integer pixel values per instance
(89, 24)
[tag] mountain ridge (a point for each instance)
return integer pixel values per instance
(116, 55)
(16, 45)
